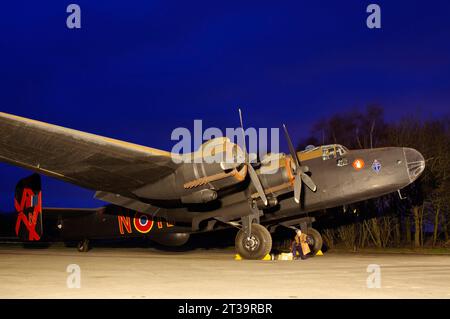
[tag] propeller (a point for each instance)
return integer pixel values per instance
(253, 175)
(299, 171)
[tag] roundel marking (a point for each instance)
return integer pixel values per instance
(358, 164)
(142, 223)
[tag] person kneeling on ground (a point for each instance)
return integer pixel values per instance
(300, 245)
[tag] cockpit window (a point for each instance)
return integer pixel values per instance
(333, 151)
(341, 150)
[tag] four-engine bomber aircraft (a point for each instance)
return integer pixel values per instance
(153, 195)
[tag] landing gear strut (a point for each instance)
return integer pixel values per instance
(83, 246)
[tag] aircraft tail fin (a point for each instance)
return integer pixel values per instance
(28, 207)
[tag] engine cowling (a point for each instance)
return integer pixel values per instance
(217, 164)
(276, 177)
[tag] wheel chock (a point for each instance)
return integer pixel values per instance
(319, 253)
(266, 257)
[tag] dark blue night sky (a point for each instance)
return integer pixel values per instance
(138, 69)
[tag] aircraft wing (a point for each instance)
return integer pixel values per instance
(80, 158)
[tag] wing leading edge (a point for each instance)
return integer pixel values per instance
(87, 160)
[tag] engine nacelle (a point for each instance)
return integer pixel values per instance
(276, 176)
(216, 165)
(201, 196)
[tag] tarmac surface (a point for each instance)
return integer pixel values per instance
(201, 273)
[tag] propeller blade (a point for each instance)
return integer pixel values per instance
(253, 175)
(308, 182)
(243, 137)
(291, 148)
(300, 176)
(257, 183)
(297, 189)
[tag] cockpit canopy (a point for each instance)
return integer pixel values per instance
(324, 151)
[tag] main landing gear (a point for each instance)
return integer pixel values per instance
(315, 241)
(256, 245)
(314, 238)
(253, 241)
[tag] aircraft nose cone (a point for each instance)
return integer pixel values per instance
(415, 163)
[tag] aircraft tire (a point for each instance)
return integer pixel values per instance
(83, 246)
(318, 242)
(257, 246)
